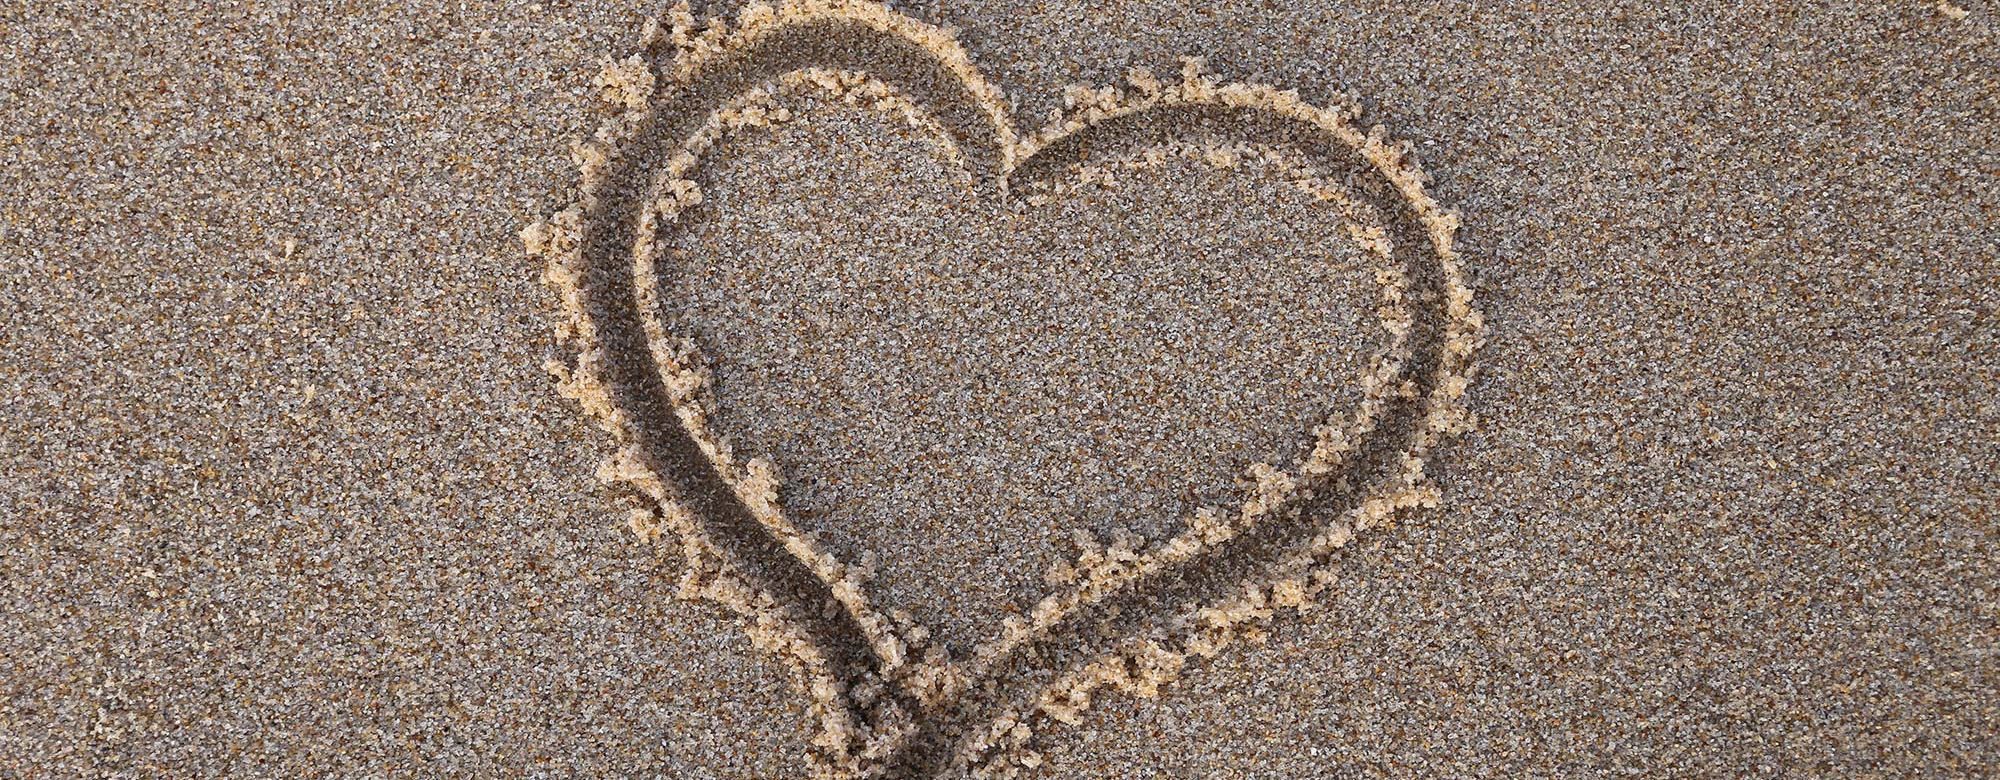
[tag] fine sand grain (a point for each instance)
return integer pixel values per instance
(285, 488)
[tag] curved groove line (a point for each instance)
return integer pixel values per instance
(737, 558)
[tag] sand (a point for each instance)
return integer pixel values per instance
(288, 490)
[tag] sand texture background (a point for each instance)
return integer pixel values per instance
(285, 489)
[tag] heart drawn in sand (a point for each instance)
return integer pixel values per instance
(892, 701)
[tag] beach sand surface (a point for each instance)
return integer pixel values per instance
(286, 490)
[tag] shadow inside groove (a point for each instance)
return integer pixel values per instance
(611, 213)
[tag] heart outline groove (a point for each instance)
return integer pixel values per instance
(1131, 615)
